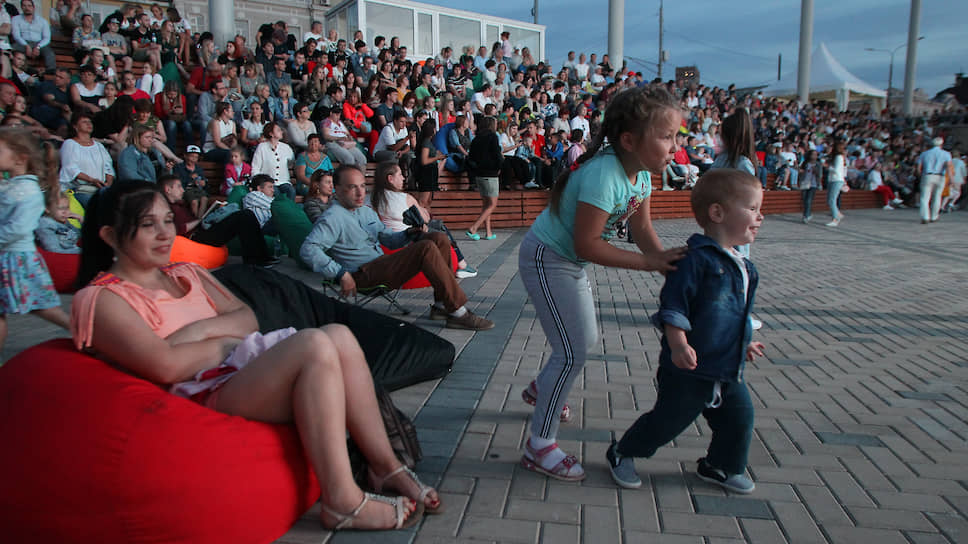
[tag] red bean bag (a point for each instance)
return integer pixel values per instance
(92, 454)
(63, 269)
(420, 281)
(184, 250)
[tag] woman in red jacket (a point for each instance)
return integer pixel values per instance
(357, 115)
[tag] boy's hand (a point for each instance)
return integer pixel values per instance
(755, 349)
(683, 356)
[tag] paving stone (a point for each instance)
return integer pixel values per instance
(891, 519)
(600, 524)
(864, 534)
(953, 527)
(732, 506)
(555, 533)
(553, 512)
(500, 529)
(797, 524)
(760, 531)
(849, 439)
(791, 362)
(923, 395)
(699, 524)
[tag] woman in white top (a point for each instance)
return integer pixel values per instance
(340, 145)
(221, 136)
(578, 121)
(85, 164)
(835, 181)
(300, 127)
(389, 201)
(86, 92)
(252, 126)
(272, 157)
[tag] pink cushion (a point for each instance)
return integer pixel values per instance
(92, 454)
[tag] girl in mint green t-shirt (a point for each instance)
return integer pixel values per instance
(612, 184)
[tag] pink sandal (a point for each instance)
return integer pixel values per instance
(530, 396)
(568, 469)
(379, 485)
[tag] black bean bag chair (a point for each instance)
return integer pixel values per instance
(399, 353)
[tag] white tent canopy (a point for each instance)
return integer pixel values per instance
(828, 79)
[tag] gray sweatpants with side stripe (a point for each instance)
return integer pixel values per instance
(562, 299)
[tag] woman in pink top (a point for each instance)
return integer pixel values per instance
(176, 325)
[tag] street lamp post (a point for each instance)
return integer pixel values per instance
(890, 70)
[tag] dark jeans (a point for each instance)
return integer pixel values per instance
(171, 131)
(808, 201)
(242, 224)
(288, 190)
(217, 154)
(681, 399)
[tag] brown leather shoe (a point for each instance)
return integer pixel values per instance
(469, 321)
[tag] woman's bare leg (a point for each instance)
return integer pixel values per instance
(301, 379)
(488, 204)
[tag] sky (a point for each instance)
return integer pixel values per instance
(738, 41)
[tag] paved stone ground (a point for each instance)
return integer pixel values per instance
(861, 421)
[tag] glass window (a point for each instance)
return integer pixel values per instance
(522, 38)
(459, 33)
(352, 23)
(389, 21)
(425, 36)
(341, 24)
(493, 35)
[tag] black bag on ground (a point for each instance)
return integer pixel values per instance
(400, 431)
(399, 353)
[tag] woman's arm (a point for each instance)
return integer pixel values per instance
(300, 171)
(589, 245)
(234, 318)
(121, 336)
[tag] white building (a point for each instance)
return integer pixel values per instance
(424, 29)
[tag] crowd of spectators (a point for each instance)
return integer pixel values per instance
(286, 106)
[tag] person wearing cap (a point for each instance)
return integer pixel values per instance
(932, 166)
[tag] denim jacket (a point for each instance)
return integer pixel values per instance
(703, 296)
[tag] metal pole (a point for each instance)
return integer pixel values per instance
(779, 65)
(534, 11)
(659, 72)
(890, 80)
(910, 67)
(221, 16)
(616, 31)
(803, 62)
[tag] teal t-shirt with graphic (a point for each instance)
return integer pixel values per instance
(601, 182)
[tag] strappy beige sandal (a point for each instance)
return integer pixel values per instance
(378, 484)
(404, 518)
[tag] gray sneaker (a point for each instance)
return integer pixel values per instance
(622, 468)
(737, 483)
(469, 321)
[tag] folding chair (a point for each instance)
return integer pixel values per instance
(364, 295)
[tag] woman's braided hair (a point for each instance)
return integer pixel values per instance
(632, 110)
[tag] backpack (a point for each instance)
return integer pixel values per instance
(401, 432)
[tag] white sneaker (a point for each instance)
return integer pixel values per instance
(468, 272)
(897, 201)
(887, 207)
(531, 185)
(757, 324)
(833, 223)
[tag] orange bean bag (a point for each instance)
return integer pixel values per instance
(92, 454)
(419, 281)
(63, 269)
(184, 250)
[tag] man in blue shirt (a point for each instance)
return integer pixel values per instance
(31, 35)
(344, 246)
(932, 166)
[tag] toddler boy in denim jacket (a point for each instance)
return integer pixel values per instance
(704, 312)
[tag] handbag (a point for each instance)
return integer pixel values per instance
(412, 217)
(401, 432)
